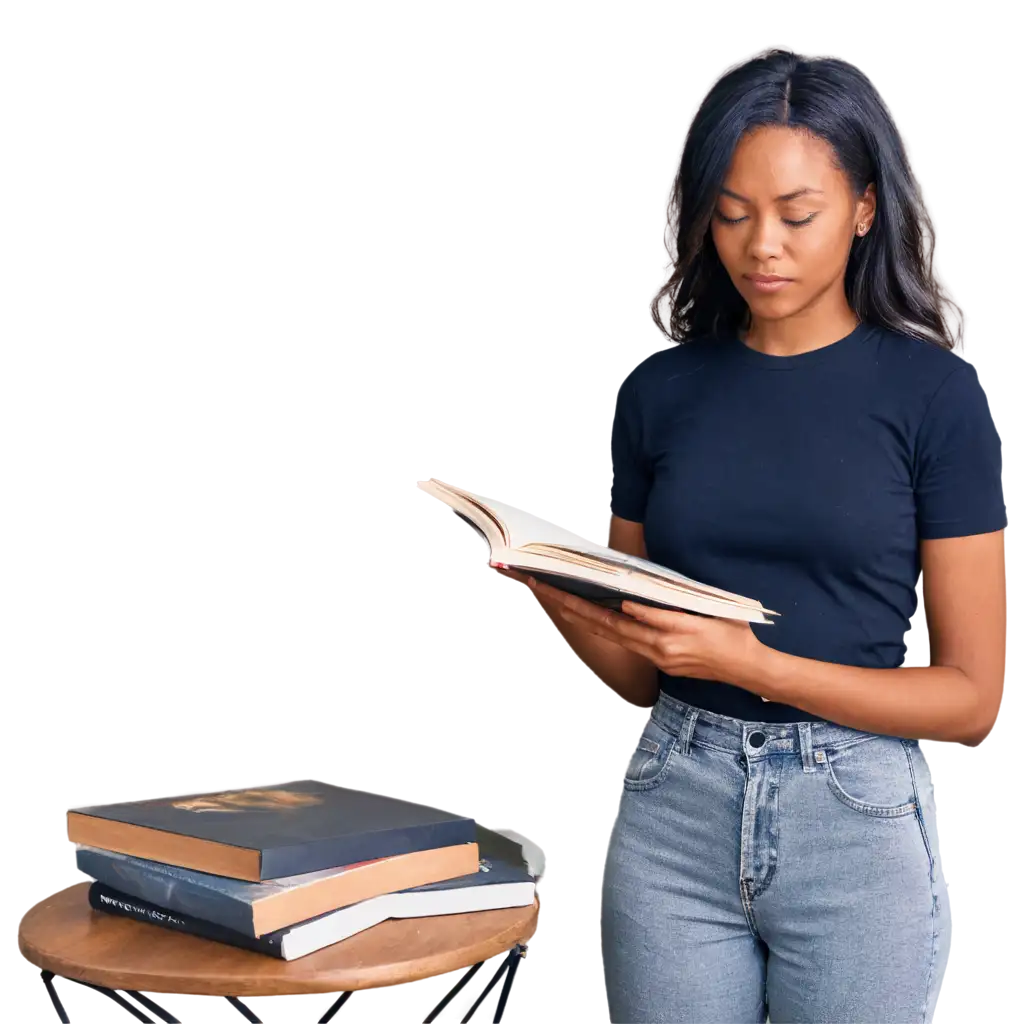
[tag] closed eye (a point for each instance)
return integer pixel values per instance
(792, 223)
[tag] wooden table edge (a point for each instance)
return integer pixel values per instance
(140, 981)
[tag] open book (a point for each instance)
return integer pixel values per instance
(521, 541)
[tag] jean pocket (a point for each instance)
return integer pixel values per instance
(872, 775)
(648, 766)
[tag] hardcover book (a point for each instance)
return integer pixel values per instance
(269, 832)
(508, 871)
(256, 908)
(522, 541)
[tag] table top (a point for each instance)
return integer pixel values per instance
(63, 934)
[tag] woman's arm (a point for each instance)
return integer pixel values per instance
(1008, 732)
(630, 675)
(957, 697)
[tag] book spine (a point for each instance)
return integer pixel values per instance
(174, 893)
(113, 901)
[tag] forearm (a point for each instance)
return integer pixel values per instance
(632, 676)
(936, 703)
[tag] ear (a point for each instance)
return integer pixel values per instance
(866, 206)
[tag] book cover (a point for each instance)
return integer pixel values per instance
(121, 904)
(506, 877)
(259, 907)
(256, 908)
(268, 832)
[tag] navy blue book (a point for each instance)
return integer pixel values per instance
(507, 875)
(269, 832)
(260, 907)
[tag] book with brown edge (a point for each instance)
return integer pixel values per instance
(270, 831)
(255, 908)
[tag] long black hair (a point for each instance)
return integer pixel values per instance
(888, 281)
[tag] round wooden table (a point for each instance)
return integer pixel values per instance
(65, 937)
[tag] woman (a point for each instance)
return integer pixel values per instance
(812, 442)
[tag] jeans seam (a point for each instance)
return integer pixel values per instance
(931, 882)
(694, 742)
(642, 785)
(747, 897)
(920, 814)
(773, 784)
(862, 806)
(844, 744)
(710, 746)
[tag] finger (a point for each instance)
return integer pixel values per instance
(567, 600)
(643, 647)
(616, 627)
(571, 602)
(547, 589)
(660, 617)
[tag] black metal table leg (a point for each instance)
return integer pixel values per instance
(492, 992)
(243, 1009)
(53, 996)
(510, 964)
(332, 1011)
(520, 952)
(135, 1008)
(454, 992)
(138, 1008)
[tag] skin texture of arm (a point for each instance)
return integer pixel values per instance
(630, 675)
(956, 698)
(1008, 732)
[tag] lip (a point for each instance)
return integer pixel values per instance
(768, 282)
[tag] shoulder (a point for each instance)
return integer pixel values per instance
(916, 367)
(920, 383)
(944, 401)
(666, 364)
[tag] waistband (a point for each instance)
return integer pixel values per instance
(690, 724)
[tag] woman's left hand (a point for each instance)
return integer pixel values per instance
(678, 643)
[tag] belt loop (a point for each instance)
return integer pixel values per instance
(686, 731)
(806, 745)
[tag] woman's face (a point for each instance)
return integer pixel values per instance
(792, 213)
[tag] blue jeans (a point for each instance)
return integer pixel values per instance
(758, 868)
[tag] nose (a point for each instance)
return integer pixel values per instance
(765, 241)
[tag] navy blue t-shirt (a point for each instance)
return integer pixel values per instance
(805, 482)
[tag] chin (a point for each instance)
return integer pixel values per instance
(772, 306)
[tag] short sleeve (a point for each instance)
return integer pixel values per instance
(631, 475)
(958, 462)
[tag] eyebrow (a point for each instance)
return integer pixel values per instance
(779, 199)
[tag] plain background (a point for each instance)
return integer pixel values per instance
(267, 265)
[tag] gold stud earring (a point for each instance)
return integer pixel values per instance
(860, 229)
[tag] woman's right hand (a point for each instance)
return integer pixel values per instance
(630, 675)
(551, 605)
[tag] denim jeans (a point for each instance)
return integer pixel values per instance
(759, 869)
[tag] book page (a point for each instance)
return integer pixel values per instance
(525, 525)
(577, 498)
(475, 513)
(660, 575)
(524, 528)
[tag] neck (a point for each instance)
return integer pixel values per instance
(801, 332)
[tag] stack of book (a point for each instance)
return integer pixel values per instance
(288, 869)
